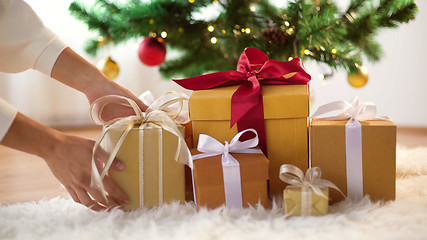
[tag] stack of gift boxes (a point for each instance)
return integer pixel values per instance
(265, 102)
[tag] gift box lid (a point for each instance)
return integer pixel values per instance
(280, 101)
(342, 123)
(208, 171)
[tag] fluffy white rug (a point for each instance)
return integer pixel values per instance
(405, 218)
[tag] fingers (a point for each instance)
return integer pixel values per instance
(141, 105)
(86, 200)
(115, 191)
(113, 110)
(102, 156)
(108, 203)
(73, 194)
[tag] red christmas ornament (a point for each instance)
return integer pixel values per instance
(152, 51)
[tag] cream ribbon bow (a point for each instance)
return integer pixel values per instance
(355, 111)
(154, 115)
(292, 175)
(209, 147)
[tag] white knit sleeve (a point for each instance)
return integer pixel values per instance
(7, 115)
(24, 40)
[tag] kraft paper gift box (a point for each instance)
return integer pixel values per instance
(152, 147)
(156, 169)
(209, 187)
(306, 195)
(294, 205)
(281, 109)
(373, 173)
(285, 114)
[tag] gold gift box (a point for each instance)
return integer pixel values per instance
(172, 174)
(209, 181)
(292, 199)
(328, 151)
(285, 114)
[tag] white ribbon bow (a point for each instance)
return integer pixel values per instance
(209, 147)
(355, 111)
(292, 175)
(155, 115)
(312, 180)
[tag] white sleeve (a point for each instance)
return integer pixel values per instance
(24, 40)
(7, 115)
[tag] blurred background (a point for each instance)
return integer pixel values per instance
(397, 83)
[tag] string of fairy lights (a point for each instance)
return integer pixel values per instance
(109, 67)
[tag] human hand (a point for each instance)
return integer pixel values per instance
(74, 71)
(70, 162)
(113, 110)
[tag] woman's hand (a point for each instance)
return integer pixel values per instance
(74, 71)
(69, 159)
(70, 162)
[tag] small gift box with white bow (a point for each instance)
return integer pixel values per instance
(234, 174)
(355, 149)
(306, 195)
(151, 144)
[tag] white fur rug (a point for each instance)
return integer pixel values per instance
(405, 218)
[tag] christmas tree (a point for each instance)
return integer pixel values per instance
(315, 30)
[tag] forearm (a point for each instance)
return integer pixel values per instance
(31, 137)
(74, 71)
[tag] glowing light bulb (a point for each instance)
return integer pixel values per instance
(290, 58)
(153, 35)
(214, 40)
(334, 51)
(211, 28)
(321, 76)
(248, 30)
(164, 34)
(100, 38)
(306, 51)
(191, 1)
(253, 8)
(364, 69)
(287, 24)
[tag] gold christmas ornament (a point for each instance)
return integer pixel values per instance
(359, 79)
(109, 68)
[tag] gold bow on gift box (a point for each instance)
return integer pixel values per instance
(307, 195)
(162, 117)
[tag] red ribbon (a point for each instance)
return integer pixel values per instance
(246, 103)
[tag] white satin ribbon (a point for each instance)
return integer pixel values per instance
(355, 111)
(209, 147)
(292, 175)
(154, 116)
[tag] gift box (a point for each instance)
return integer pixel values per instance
(268, 95)
(285, 117)
(215, 183)
(295, 203)
(152, 147)
(306, 195)
(152, 175)
(359, 163)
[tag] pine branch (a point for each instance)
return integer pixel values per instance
(338, 39)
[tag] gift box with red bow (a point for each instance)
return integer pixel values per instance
(268, 95)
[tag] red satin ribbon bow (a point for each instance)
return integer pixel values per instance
(246, 103)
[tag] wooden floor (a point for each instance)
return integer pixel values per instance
(24, 177)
